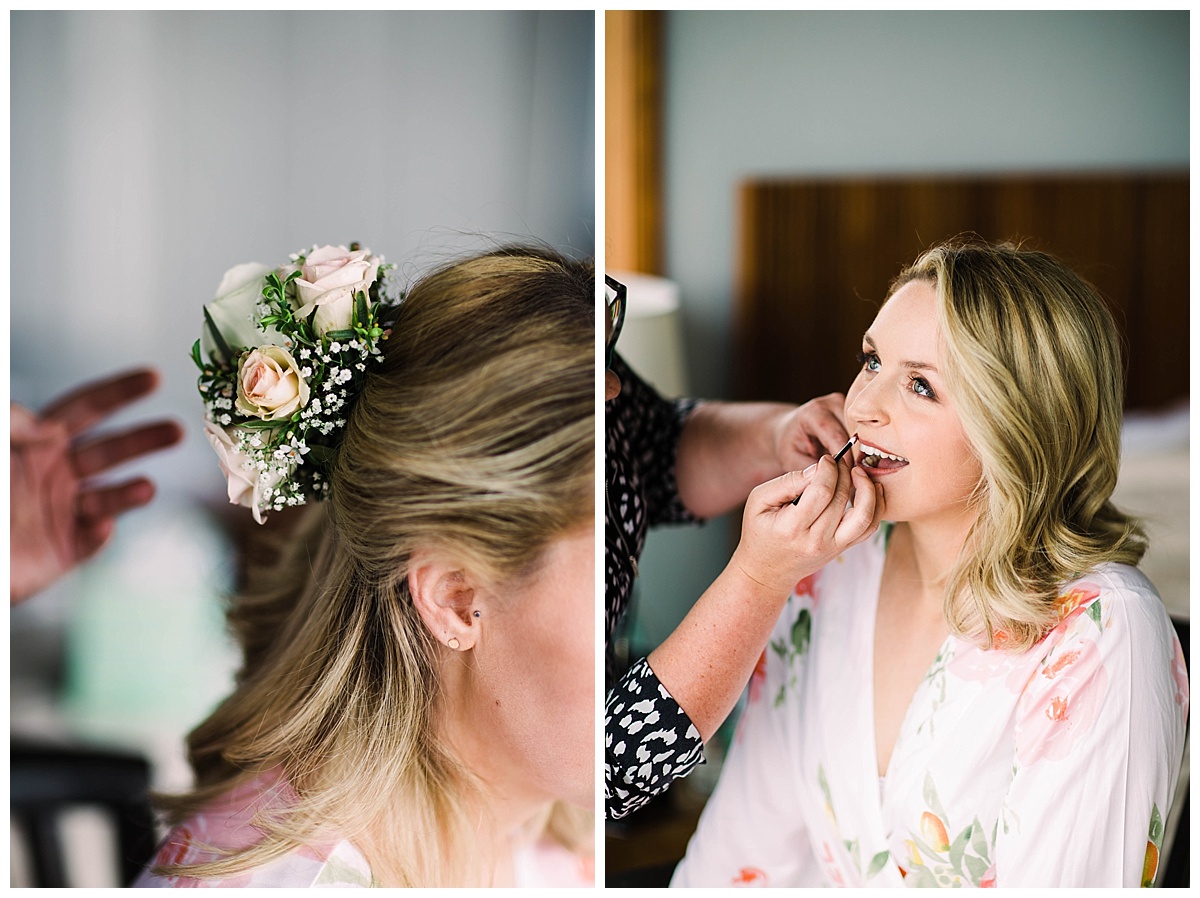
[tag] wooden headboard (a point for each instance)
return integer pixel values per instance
(816, 256)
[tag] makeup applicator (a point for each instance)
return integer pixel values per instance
(837, 458)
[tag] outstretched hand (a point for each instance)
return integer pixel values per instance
(782, 543)
(59, 515)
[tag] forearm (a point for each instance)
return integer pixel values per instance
(706, 662)
(726, 449)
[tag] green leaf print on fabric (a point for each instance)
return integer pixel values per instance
(824, 784)
(878, 863)
(793, 649)
(802, 631)
(939, 860)
(935, 680)
(1153, 848)
(338, 872)
(1093, 611)
(878, 860)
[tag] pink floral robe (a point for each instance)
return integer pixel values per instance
(1055, 767)
(227, 825)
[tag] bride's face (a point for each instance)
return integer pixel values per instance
(531, 696)
(900, 406)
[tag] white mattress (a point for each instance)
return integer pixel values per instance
(1155, 485)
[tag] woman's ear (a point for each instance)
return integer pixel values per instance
(444, 595)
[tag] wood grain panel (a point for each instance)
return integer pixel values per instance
(816, 256)
(633, 229)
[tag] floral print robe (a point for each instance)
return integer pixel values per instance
(1054, 767)
(338, 864)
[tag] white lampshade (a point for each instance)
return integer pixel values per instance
(651, 340)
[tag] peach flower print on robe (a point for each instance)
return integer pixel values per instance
(1062, 702)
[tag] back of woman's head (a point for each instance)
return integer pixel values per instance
(1033, 360)
(477, 429)
(474, 436)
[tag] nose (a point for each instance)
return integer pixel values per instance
(864, 402)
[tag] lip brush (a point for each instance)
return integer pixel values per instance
(846, 448)
(838, 457)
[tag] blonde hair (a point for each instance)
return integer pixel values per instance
(1033, 360)
(475, 434)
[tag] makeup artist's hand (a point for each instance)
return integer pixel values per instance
(59, 517)
(783, 543)
(809, 431)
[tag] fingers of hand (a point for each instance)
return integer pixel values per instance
(863, 516)
(92, 402)
(91, 536)
(107, 502)
(826, 421)
(817, 493)
(106, 452)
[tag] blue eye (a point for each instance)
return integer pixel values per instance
(869, 361)
(921, 387)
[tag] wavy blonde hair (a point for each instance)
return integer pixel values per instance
(476, 434)
(1033, 360)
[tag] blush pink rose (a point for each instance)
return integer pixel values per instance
(270, 385)
(245, 484)
(329, 279)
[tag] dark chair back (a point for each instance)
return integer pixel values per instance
(46, 780)
(1175, 871)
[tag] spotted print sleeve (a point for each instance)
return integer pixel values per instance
(649, 741)
(650, 426)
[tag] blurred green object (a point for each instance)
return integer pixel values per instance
(147, 651)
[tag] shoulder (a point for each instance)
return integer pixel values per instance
(227, 827)
(1112, 661)
(1121, 603)
(547, 864)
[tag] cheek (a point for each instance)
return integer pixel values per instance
(851, 396)
(959, 465)
(539, 694)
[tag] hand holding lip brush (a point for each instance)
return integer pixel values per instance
(838, 457)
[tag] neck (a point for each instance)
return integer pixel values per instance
(506, 814)
(933, 547)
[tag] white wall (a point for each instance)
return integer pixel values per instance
(151, 151)
(796, 93)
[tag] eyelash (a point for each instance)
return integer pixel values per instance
(916, 382)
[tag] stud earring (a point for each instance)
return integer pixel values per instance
(477, 614)
(453, 643)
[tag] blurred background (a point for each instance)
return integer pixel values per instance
(766, 173)
(150, 152)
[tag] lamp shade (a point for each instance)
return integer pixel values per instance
(651, 340)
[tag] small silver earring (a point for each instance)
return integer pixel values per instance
(477, 614)
(453, 643)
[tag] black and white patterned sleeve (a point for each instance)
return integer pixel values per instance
(649, 741)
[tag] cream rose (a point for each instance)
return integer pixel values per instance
(233, 310)
(246, 484)
(329, 278)
(270, 385)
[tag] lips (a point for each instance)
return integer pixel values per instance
(876, 459)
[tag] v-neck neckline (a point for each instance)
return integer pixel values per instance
(881, 779)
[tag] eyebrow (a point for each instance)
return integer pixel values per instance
(919, 366)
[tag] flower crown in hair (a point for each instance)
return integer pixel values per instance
(287, 350)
